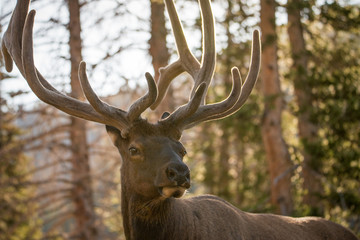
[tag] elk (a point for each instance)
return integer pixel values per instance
(153, 174)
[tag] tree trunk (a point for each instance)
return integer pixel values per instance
(82, 196)
(276, 149)
(158, 50)
(307, 130)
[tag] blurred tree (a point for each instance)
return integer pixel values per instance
(277, 155)
(158, 49)
(307, 129)
(334, 77)
(82, 193)
(18, 218)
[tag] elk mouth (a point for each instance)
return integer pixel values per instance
(176, 192)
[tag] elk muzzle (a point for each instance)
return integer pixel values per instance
(175, 180)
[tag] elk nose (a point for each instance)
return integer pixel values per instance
(179, 173)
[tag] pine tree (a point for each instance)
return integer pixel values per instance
(18, 220)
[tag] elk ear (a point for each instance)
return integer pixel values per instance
(114, 133)
(165, 115)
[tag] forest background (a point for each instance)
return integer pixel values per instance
(293, 149)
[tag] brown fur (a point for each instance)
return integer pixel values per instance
(152, 154)
(148, 215)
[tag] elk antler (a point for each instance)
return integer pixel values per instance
(202, 73)
(187, 62)
(17, 46)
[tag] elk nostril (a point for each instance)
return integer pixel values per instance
(171, 174)
(178, 174)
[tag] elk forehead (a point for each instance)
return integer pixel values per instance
(142, 129)
(152, 140)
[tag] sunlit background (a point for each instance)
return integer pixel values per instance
(227, 157)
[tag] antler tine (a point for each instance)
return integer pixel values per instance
(202, 75)
(116, 116)
(11, 42)
(144, 102)
(187, 62)
(208, 58)
(217, 108)
(167, 74)
(253, 72)
(249, 84)
(186, 58)
(62, 102)
(187, 110)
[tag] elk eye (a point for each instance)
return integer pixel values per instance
(183, 153)
(134, 151)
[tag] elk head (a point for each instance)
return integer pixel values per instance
(152, 154)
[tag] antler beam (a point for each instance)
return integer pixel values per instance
(200, 72)
(17, 46)
(203, 73)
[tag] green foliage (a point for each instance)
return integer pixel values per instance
(341, 18)
(17, 218)
(16, 213)
(334, 78)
